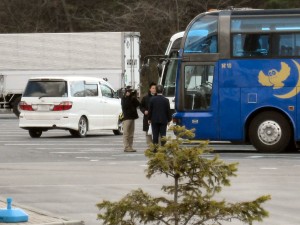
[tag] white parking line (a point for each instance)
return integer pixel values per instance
(71, 152)
(61, 144)
(268, 168)
(255, 157)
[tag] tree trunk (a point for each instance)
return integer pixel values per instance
(176, 180)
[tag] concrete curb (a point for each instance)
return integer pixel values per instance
(39, 217)
(75, 222)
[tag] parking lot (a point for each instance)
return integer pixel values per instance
(68, 176)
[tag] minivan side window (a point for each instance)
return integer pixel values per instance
(106, 91)
(91, 89)
(77, 89)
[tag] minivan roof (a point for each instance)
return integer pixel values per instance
(72, 78)
(67, 78)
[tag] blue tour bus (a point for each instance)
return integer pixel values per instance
(238, 78)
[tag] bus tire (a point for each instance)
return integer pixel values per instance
(270, 132)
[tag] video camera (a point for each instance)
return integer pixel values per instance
(133, 92)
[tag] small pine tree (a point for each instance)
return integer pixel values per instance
(197, 179)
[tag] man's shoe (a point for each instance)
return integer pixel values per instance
(129, 150)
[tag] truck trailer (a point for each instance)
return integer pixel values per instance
(114, 56)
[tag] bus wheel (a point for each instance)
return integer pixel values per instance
(270, 132)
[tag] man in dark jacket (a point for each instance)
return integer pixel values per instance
(144, 107)
(159, 114)
(129, 104)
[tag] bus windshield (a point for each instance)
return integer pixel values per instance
(202, 36)
(170, 75)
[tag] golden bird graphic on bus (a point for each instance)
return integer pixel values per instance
(276, 78)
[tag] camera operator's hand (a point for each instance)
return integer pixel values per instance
(134, 93)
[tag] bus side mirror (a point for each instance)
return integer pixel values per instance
(160, 66)
(159, 69)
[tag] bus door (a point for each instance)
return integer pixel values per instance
(199, 112)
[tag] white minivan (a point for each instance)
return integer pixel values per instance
(77, 104)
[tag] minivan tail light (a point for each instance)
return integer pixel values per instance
(24, 106)
(63, 106)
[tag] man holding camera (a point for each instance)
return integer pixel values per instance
(129, 107)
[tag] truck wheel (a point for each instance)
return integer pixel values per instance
(34, 133)
(82, 127)
(270, 132)
(120, 128)
(15, 106)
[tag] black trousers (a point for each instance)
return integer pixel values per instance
(158, 129)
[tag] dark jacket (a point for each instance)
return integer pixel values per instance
(129, 105)
(145, 107)
(159, 110)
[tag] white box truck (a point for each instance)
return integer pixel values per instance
(111, 55)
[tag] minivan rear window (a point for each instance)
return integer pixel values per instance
(46, 89)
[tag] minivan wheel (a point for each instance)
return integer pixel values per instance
(34, 133)
(120, 128)
(82, 127)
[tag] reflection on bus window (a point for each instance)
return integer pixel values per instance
(258, 45)
(265, 36)
(250, 45)
(198, 86)
(265, 24)
(287, 44)
(170, 76)
(202, 36)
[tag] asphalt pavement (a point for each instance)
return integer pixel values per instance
(59, 179)
(35, 216)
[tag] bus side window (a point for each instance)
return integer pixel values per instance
(250, 45)
(198, 87)
(288, 44)
(297, 51)
(213, 48)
